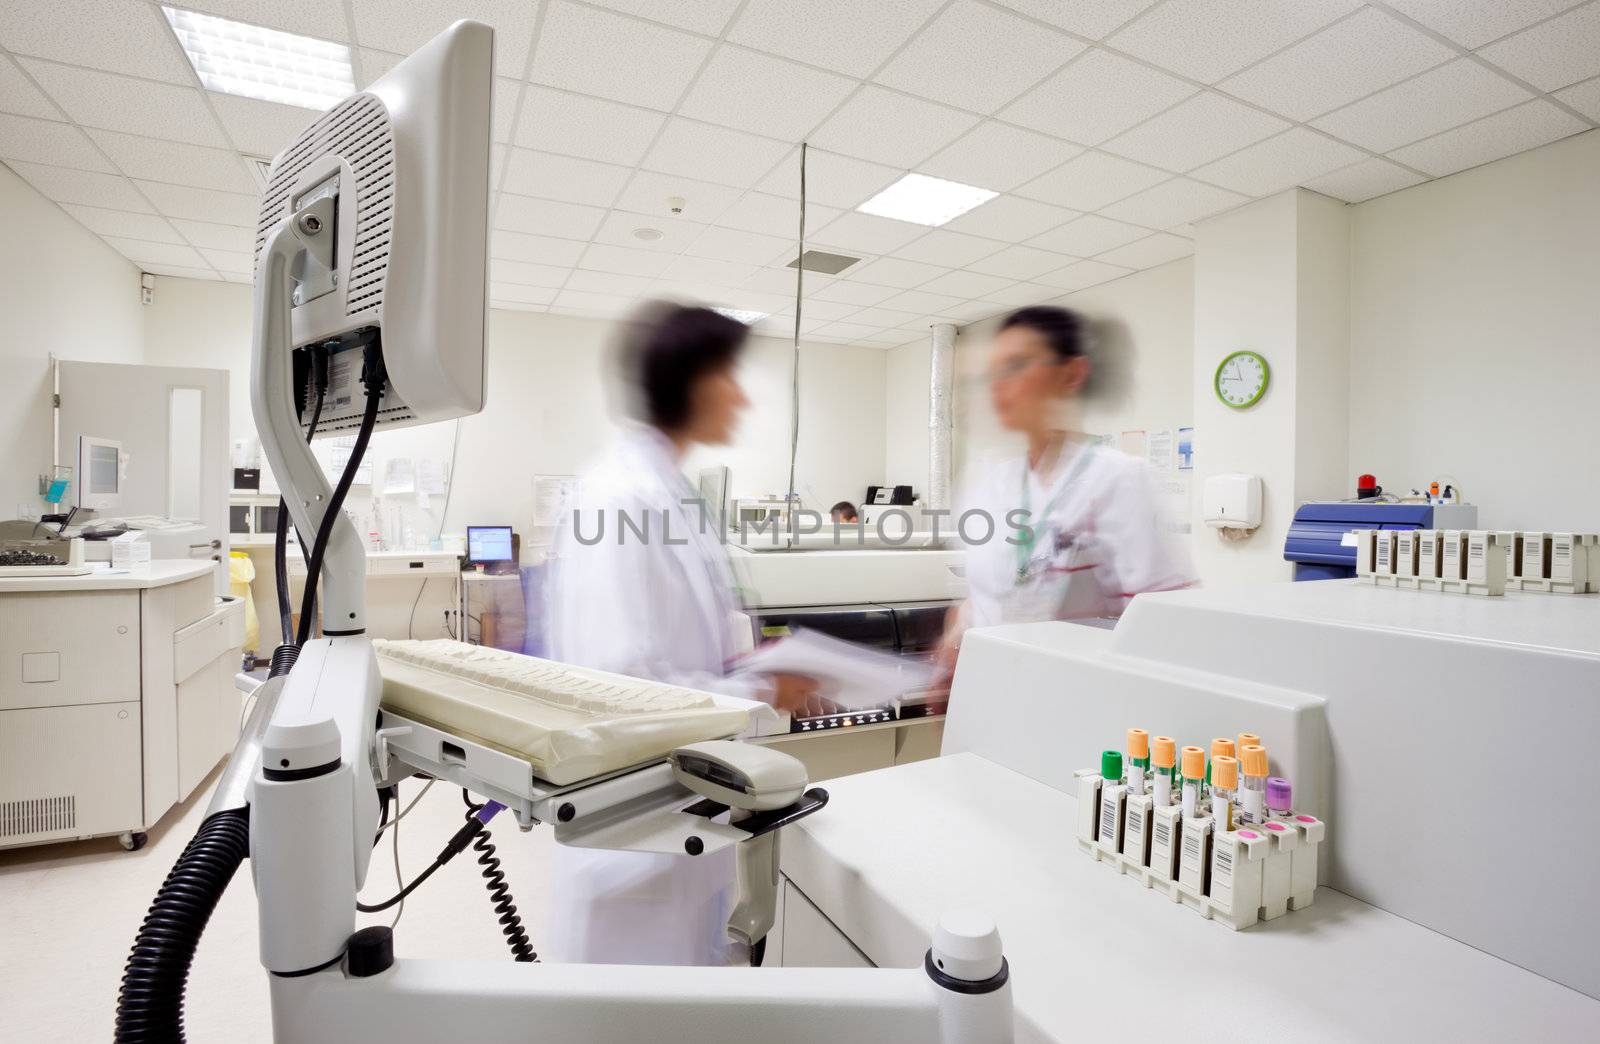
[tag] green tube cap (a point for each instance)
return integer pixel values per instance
(1111, 765)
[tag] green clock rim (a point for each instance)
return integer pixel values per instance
(1266, 378)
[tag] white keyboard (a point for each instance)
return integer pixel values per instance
(559, 684)
(569, 723)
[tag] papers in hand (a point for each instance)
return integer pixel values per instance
(850, 675)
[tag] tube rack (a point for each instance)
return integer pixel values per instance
(1478, 561)
(1238, 877)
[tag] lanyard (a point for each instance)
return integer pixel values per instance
(1025, 545)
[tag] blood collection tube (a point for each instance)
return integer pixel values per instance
(1165, 758)
(1224, 784)
(1194, 774)
(1253, 794)
(1138, 759)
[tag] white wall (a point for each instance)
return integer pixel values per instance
(549, 411)
(1147, 320)
(1475, 336)
(64, 292)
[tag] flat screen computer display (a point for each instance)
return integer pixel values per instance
(487, 544)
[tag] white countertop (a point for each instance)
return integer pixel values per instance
(1092, 953)
(161, 573)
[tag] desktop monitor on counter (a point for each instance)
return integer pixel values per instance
(99, 473)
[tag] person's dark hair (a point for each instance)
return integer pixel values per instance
(1063, 329)
(844, 508)
(666, 348)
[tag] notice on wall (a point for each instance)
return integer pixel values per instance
(1158, 450)
(1185, 449)
(432, 478)
(550, 493)
(1133, 442)
(399, 476)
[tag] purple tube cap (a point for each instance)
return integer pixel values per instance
(1280, 795)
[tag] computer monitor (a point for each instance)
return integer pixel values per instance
(487, 545)
(99, 473)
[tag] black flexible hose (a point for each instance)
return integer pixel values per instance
(280, 563)
(375, 378)
(499, 892)
(283, 658)
(150, 1003)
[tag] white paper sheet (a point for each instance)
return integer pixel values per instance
(848, 674)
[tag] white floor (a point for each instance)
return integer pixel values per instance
(69, 913)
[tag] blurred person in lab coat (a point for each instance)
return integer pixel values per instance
(661, 607)
(1078, 527)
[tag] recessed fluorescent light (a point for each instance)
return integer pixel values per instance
(744, 316)
(925, 200)
(253, 62)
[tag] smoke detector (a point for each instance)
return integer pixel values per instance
(649, 235)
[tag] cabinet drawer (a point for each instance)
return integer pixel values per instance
(201, 642)
(75, 648)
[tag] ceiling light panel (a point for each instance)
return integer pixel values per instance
(926, 201)
(235, 58)
(743, 315)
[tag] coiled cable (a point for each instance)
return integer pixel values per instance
(499, 892)
(150, 1002)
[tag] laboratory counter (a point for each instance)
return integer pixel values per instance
(160, 573)
(1095, 956)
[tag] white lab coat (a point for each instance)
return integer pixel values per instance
(662, 608)
(1101, 538)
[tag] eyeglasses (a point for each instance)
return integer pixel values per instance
(1011, 369)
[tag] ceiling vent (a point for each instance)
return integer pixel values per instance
(824, 262)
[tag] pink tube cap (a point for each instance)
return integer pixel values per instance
(1280, 794)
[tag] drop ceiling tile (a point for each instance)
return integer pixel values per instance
(1011, 219)
(120, 36)
(1186, 230)
(1206, 127)
(214, 236)
(1504, 134)
(775, 280)
(1083, 274)
(541, 250)
(846, 36)
(701, 16)
(774, 215)
(198, 204)
(751, 91)
(1150, 251)
(952, 249)
(594, 304)
(972, 311)
(1208, 39)
(649, 193)
(1021, 262)
(185, 272)
(515, 293)
(402, 28)
(604, 54)
(1092, 180)
(998, 156)
(126, 224)
(111, 102)
(156, 253)
(175, 162)
(1364, 180)
(828, 311)
(1585, 97)
(676, 233)
(505, 108)
(848, 291)
(887, 317)
(711, 153)
(603, 257)
(372, 65)
(1553, 54)
(922, 302)
(1281, 162)
(565, 178)
(547, 217)
(749, 248)
(236, 277)
(1364, 53)
(18, 95)
(515, 306)
(1174, 202)
(1020, 295)
(967, 284)
(260, 128)
(1437, 100)
(708, 270)
(307, 17)
(858, 233)
(977, 57)
(607, 283)
(750, 300)
(893, 271)
(1091, 18)
(1097, 96)
(524, 273)
(232, 262)
(838, 181)
(577, 125)
(891, 338)
(1089, 235)
(895, 129)
(848, 331)
(1473, 23)
(47, 141)
(89, 188)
